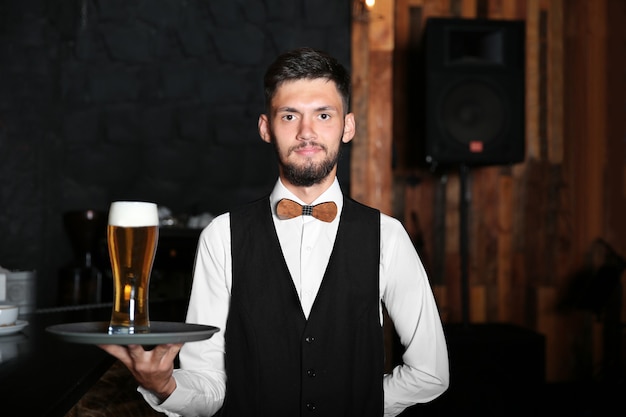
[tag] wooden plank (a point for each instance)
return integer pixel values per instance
(379, 117)
(511, 191)
(510, 9)
(429, 205)
(379, 106)
(520, 285)
(555, 82)
(504, 248)
(478, 302)
(483, 244)
(596, 92)
(615, 190)
(520, 12)
(492, 245)
(419, 215)
(453, 284)
(524, 308)
(453, 190)
(381, 26)
(562, 253)
(532, 80)
(586, 127)
(593, 171)
(441, 298)
(360, 94)
(574, 108)
(436, 8)
(502, 9)
(451, 252)
(402, 97)
(468, 9)
(529, 194)
(484, 224)
(500, 221)
(374, 38)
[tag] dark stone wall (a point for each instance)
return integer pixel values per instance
(153, 100)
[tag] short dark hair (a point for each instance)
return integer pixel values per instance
(306, 63)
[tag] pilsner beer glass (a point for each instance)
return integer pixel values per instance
(132, 235)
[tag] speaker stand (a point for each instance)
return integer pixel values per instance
(465, 198)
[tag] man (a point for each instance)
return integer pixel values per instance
(299, 300)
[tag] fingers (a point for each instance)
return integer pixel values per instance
(151, 368)
(169, 351)
(137, 357)
(156, 361)
(158, 353)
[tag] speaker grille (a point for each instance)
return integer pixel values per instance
(472, 112)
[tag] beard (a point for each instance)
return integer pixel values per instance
(309, 173)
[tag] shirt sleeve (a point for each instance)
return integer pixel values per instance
(201, 379)
(408, 298)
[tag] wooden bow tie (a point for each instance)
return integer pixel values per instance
(287, 209)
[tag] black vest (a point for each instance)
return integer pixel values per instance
(278, 363)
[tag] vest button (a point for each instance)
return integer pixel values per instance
(309, 339)
(310, 373)
(310, 406)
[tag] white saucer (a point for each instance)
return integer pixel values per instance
(18, 326)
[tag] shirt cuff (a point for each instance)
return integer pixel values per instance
(153, 401)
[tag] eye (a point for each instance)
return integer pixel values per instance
(324, 116)
(288, 117)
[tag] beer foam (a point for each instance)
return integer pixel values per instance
(133, 214)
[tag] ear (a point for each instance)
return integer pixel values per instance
(349, 128)
(264, 128)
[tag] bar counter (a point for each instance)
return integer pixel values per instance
(41, 375)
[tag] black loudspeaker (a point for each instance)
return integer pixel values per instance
(474, 91)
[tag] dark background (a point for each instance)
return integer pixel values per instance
(155, 100)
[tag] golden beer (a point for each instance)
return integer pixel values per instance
(132, 236)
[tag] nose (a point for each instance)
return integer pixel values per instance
(306, 130)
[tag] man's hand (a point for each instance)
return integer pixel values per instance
(153, 369)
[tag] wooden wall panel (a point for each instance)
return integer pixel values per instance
(373, 40)
(531, 224)
(379, 130)
(555, 82)
(594, 147)
(468, 9)
(504, 249)
(373, 34)
(401, 58)
(451, 255)
(533, 43)
(360, 102)
(615, 221)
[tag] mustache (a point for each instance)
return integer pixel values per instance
(307, 144)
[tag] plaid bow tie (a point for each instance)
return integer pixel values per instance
(287, 209)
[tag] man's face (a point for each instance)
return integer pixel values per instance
(306, 127)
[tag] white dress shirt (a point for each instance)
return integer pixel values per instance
(404, 289)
